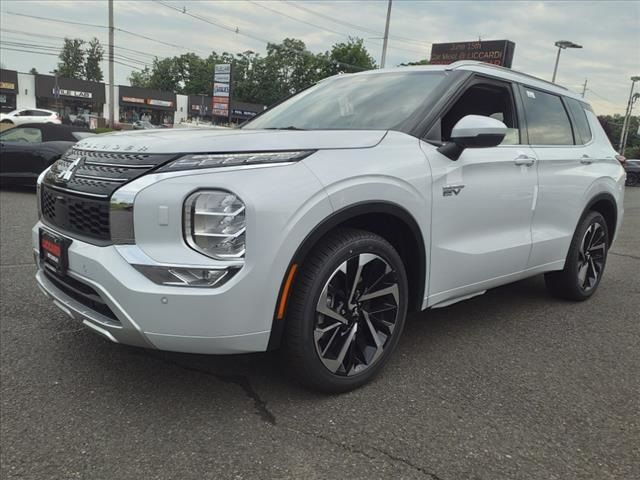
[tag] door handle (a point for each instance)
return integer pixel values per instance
(586, 160)
(524, 160)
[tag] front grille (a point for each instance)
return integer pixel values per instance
(99, 174)
(77, 188)
(76, 215)
(81, 293)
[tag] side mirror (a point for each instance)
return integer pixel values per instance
(474, 131)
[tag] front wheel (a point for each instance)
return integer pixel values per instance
(633, 179)
(347, 311)
(585, 261)
(6, 122)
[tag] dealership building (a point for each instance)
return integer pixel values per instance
(71, 98)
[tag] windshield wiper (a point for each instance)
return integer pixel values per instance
(290, 127)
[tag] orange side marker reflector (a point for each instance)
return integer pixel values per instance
(286, 291)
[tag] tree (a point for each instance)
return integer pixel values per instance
(612, 126)
(95, 54)
(349, 57)
(140, 78)
(33, 71)
(421, 62)
(71, 63)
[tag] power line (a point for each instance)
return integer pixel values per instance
(353, 25)
(57, 37)
(37, 52)
(316, 25)
(17, 43)
(48, 19)
(229, 28)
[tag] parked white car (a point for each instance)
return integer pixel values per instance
(318, 225)
(30, 115)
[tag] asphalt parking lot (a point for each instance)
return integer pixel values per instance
(509, 385)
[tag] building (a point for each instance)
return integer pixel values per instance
(8, 90)
(79, 100)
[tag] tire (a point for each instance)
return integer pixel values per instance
(348, 354)
(585, 261)
(9, 122)
(633, 179)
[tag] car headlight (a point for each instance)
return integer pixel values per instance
(213, 160)
(214, 223)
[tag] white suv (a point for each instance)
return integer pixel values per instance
(318, 225)
(25, 115)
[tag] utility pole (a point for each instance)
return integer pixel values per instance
(584, 87)
(112, 102)
(386, 37)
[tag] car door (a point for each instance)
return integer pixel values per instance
(482, 203)
(561, 138)
(21, 153)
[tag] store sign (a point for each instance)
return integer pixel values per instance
(496, 52)
(71, 93)
(244, 113)
(133, 100)
(8, 85)
(221, 89)
(159, 103)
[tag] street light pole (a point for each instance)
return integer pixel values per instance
(386, 37)
(562, 44)
(112, 102)
(627, 116)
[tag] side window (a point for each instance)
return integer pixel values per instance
(25, 135)
(583, 132)
(40, 113)
(24, 113)
(490, 100)
(547, 120)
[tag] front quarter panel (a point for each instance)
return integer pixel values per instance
(395, 171)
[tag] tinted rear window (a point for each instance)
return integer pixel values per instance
(547, 119)
(581, 124)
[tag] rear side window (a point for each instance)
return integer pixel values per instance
(583, 132)
(547, 119)
(41, 113)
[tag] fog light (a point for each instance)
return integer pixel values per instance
(186, 277)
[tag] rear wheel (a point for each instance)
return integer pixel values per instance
(585, 262)
(633, 179)
(347, 311)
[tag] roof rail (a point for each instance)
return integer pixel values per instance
(463, 63)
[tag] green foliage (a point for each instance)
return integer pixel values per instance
(287, 68)
(421, 62)
(95, 54)
(349, 57)
(612, 125)
(33, 71)
(71, 63)
(141, 78)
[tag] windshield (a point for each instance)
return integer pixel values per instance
(379, 101)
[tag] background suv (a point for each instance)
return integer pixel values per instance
(323, 221)
(25, 115)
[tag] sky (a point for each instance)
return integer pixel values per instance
(608, 30)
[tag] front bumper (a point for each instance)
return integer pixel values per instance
(144, 314)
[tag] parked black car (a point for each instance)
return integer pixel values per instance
(26, 150)
(632, 168)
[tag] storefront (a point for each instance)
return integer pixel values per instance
(242, 111)
(75, 100)
(200, 107)
(155, 106)
(8, 90)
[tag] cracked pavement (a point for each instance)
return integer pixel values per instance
(509, 385)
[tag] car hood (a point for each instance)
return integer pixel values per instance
(230, 140)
